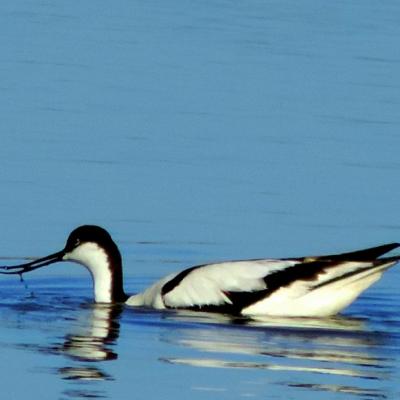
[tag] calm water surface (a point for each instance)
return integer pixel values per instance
(196, 132)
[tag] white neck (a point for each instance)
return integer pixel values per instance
(95, 259)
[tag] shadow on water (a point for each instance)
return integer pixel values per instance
(298, 353)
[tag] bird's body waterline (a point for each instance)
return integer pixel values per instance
(294, 287)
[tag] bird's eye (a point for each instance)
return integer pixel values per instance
(77, 242)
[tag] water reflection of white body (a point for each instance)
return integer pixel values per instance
(337, 346)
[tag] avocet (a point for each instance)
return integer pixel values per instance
(316, 286)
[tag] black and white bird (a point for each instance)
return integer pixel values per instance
(292, 287)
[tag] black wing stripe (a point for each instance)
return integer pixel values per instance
(376, 264)
(347, 275)
(362, 255)
(174, 282)
(308, 271)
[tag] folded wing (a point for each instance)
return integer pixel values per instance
(263, 286)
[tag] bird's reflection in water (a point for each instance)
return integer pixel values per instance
(93, 341)
(314, 348)
(98, 334)
(298, 353)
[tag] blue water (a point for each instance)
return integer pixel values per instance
(196, 132)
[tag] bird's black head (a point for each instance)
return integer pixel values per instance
(89, 233)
